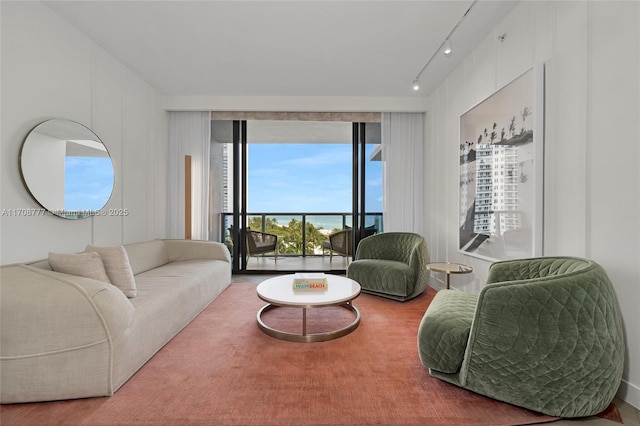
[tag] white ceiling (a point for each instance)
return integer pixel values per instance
(284, 48)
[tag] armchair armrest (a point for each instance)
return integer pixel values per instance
(515, 324)
(193, 249)
(58, 332)
(444, 330)
(418, 261)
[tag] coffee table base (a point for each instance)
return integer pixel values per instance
(304, 337)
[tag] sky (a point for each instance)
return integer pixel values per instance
(88, 182)
(307, 178)
(296, 178)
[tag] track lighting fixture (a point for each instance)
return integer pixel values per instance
(445, 47)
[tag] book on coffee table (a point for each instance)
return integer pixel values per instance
(310, 281)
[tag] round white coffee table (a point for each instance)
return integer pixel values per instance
(278, 291)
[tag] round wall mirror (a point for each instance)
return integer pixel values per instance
(67, 169)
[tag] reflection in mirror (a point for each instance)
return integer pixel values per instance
(67, 169)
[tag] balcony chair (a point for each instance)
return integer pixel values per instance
(369, 231)
(544, 334)
(391, 264)
(339, 242)
(261, 242)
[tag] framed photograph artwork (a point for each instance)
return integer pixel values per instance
(501, 171)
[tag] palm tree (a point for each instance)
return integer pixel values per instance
(494, 135)
(525, 113)
(512, 126)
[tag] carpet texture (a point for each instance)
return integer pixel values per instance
(222, 370)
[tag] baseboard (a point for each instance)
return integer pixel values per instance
(630, 393)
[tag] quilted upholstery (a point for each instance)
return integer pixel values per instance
(444, 330)
(546, 335)
(391, 264)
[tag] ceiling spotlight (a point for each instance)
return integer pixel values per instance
(446, 48)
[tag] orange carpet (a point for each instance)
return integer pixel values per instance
(222, 370)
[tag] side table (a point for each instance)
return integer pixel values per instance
(449, 268)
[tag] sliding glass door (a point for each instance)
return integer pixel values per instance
(289, 186)
(367, 181)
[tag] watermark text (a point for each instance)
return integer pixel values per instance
(31, 212)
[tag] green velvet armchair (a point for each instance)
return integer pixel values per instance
(391, 264)
(544, 334)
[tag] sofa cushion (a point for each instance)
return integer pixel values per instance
(87, 265)
(146, 256)
(117, 266)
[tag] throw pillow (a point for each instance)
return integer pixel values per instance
(87, 265)
(116, 263)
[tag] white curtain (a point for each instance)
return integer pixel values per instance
(189, 134)
(403, 172)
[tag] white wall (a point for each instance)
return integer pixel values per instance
(591, 52)
(50, 70)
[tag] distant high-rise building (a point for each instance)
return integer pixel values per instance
(496, 199)
(227, 181)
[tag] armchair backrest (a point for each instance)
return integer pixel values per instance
(405, 247)
(251, 241)
(254, 237)
(341, 241)
(541, 267)
(369, 231)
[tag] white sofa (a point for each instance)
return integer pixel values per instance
(63, 336)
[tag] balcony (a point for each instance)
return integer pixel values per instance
(300, 238)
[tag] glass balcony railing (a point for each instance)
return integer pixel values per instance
(299, 234)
